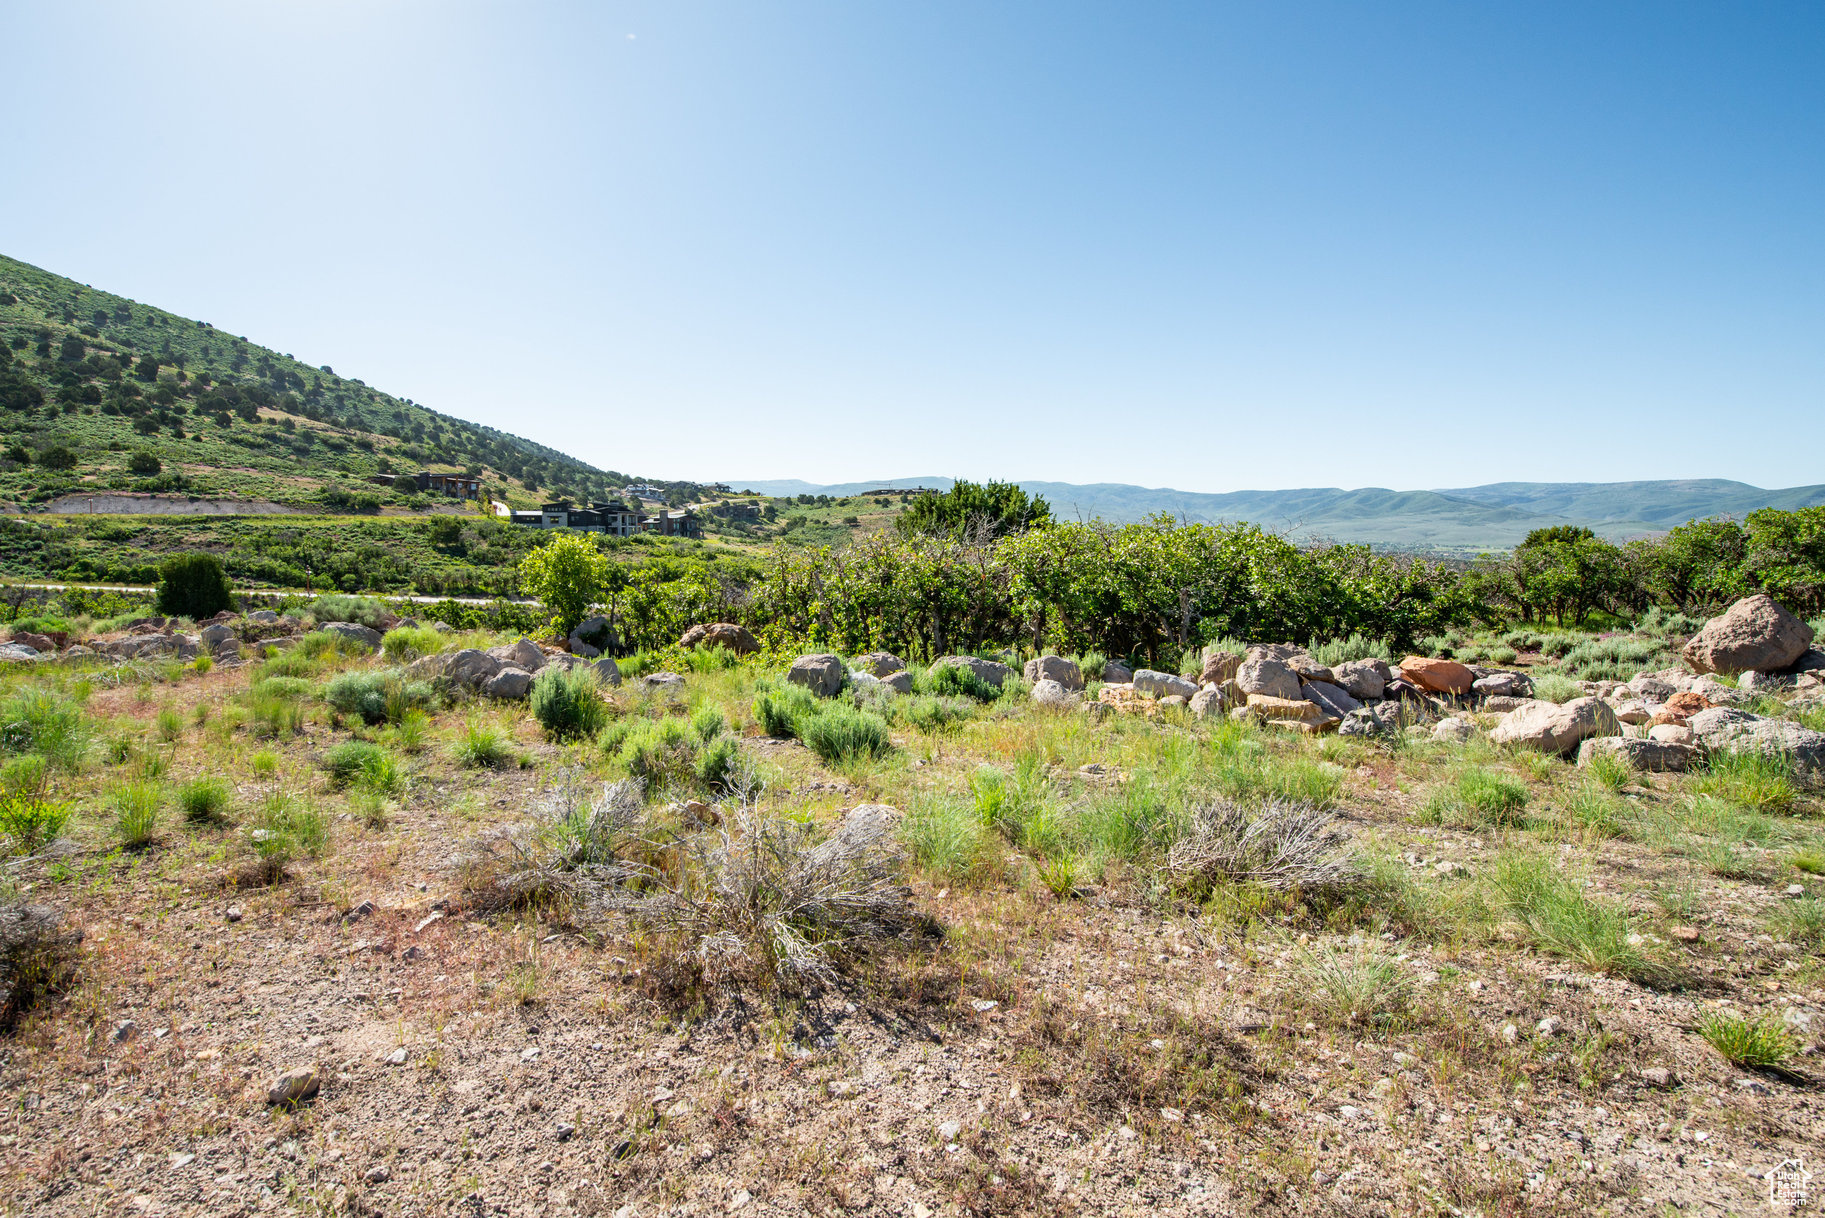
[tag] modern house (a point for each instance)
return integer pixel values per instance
(673, 524)
(614, 518)
(462, 486)
(736, 511)
(640, 490)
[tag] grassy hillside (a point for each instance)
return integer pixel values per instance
(102, 393)
(1658, 505)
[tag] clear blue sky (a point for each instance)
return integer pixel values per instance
(1206, 246)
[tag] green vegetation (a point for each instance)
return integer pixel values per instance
(567, 574)
(567, 703)
(1758, 1042)
(193, 586)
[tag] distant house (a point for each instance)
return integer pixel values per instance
(614, 518)
(640, 490)
(673, 524)
(736, 511)
(462, 486)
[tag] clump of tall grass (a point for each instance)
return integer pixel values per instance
(1282, 844)
(283, 828)
(337, 607)
(1558, 916)
(945, 838)
(410, 643)
(45, 722)
(779, 706)
(1762, 780)
(30, 819)
(363, 764)
(1555, 687)
(136, 808)
(1800, 921)
(204, 800)
(379, 697)
(483, 746)
(1477, 799)
(1354, 986)
(1755, 1043)
(567, 703)
(1613, 659)
(1356, 647)
(839, 733)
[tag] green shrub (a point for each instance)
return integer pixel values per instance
(1502, 655)
(50, 724)
(709, 722)
(274, 716)
(720, 765)
(660, 752)
(945, 838)
(1489, 798)
(953, 680)
(1613, 659)
(378, 697)
(567, 703)
(346, 762)
(1553, 687)
(710, 659)
(483, 746)
(193, 586)
(292, 688)
(779, 707)
(322, 645)
(1609, 771)
(335, 607)
(170, 725)
(283, 828)
(933, 716)
(29, 820)
(1342, 651)
(27, 775)
(839, 733)
(410, 643)
(136, 806)
(204, 801)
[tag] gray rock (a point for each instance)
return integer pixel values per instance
(880, 663)
(591, 637)
(1648, 756)
(1726, 727)
(1047, 692)
(1753, 682)
(1163, 685)
(355, 632)
(1650, 688)
(1556, 729)
(1454, 730)
(1055, 668)
(607, 671)
(1117, 673)
(1208, 703)
(667, 681)
(1631, 711)
(467, 669)
(1812, 661)
(1360, 723)
(1501, 706)
(17, 652)
(524, 654)
(1219, 666)
(1754, 633)
(900, 682)
(510, 684)
(990, 671)
(821, 674)
(218, 633)
(1307, 669)
(1268, 677)
(1362, 679)
(264, 616)
(1278, 652)
(1331, 699)
(1503, 685)
(294, 1086)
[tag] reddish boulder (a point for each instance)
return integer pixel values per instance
(1437, 676)
(720, 634)
(1680, 707)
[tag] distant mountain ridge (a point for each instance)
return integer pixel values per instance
(1493, 517)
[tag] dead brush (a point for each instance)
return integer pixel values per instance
(1282, 844)
(759, 902)
(569, 854)
(37, 957)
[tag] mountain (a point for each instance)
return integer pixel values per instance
(1494, 517)
(102, 393)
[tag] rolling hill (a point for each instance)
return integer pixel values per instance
(1494, 517)
(99, 393)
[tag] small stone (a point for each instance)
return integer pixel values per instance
(1171, 1116)
(566, 1131)
(983, 1005)
(530, 1055)
(1549, 1026)
(1685, 934)
(1657, 1076)
(742, 1197)
(359, 911)
(125, 1032)
(950, 1130)
(842, 1089)
(294, 1086)
(1349, 1112)
(428, 919)
(1796, 890)
(1510, 1033)
(378, 1174)
(397, 1057)
(182, 1160)
(232, 913)
(1753, 1086)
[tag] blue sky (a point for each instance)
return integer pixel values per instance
(1206, 246)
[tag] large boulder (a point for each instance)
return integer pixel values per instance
(1163, 685)
(1054, 668)
(1047, 692)
(1503, 685)
(1727, 728)
(355, 632)
(1285, 712)
(990, 672)
(1333, 699)
(524, 654)
(510, 684)
(1437, 676)
(1117, 673)
(1279, 652)
(1551, 728)
(1267, 677)
(607, 671)
(42, 643)
(1649, 756)
(217, 634)
(900, 682)
(1209, 702)
(1362, 679)
(17, 651)
(466, 669)
(1219, 666)
(721, 634)
(591, 637)
(880, 663)
(1650, 687)
(1754, 633)
(822, 674)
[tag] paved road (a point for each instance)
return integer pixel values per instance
(417, 600)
